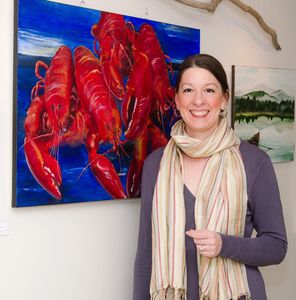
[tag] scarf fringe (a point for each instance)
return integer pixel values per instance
(247, 296)
(169, 293)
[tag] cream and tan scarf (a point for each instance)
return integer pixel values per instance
(221, 204)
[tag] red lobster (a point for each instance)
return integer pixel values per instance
(162, 92)
(136, 104)
(148, 89)
(114, 37)
(48, 116)
(104, 122)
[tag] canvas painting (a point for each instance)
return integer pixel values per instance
(263, 102)
(93, 96)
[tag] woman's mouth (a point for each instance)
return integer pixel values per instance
(199, 113)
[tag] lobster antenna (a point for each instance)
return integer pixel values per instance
(85, 168)
(58, 147)
(34, 138)
(125, 53)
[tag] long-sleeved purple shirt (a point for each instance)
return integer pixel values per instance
(264, 215)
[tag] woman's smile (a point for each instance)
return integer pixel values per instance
(199, 113)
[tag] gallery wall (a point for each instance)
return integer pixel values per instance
(85, 251)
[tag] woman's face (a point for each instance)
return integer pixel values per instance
(199, 100)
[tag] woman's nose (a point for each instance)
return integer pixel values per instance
(198, 98)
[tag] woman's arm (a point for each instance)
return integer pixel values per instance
(270, 244)
(143, 261)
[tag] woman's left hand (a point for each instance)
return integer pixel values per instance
(208, 243)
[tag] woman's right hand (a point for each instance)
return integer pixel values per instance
(208, 243)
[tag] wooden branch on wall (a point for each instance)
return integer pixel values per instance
(212, 5)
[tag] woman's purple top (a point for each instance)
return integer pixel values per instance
(264, 215)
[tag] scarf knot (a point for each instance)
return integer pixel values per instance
(222, 138)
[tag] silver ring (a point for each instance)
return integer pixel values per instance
(202, 248)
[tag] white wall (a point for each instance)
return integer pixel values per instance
(86, 251)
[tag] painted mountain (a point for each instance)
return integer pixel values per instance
(282, 95)
(263, 102)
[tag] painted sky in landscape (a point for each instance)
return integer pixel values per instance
(247, 78)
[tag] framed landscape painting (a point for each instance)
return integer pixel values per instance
(263, 105)
(93, 96)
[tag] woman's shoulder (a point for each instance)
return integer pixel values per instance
(151, 165)
(254, 158)
(152, 161)
(251, 151)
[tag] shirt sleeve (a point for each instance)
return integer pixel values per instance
(143, 260)
(270, 244)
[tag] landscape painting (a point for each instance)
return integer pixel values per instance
(263, 105)
(93, 96)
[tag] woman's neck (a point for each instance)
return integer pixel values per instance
(192, 171)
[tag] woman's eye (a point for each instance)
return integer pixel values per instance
(187, 90)
(210, 90)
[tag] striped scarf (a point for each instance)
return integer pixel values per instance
(221, 204)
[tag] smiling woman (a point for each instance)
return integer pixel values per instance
(202, 197)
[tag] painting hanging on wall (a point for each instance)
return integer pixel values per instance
(263, 101)
(93, 96)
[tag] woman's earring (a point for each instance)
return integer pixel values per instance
(176, 113)
(223, 113)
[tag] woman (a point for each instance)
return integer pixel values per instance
(202, 198)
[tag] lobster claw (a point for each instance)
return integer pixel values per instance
(136, 104)
(150, 139)
(134, 175)
(107, 176)
(43, 166)
(139, 117)
(157, 137)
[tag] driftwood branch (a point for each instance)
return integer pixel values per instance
(212, 5)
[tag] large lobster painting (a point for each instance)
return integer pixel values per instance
(94, 96)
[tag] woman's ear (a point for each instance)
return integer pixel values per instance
(225, 101)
